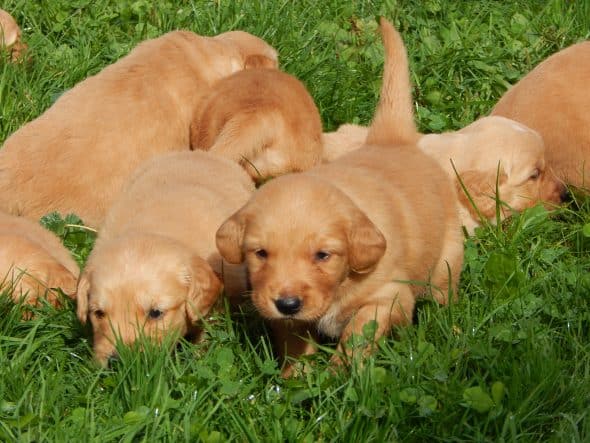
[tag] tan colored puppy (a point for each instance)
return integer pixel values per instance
(490, 150)
(78, 154)
(155, 269)
(264, 119)
(554, 99)
(10, 36)
(33, 262)
(334, 248)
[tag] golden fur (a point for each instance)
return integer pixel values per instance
(554, 99)
(77, 155)
(333, 248)
(262, 118)
(10, 36)
(33, 262)
(156, 251)
(490, 149)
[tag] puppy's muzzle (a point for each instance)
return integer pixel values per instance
(289, 304)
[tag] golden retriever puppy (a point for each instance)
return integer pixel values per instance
(492, 149)
(262, 118)
(554, 99)
(154, 269)
(78, 154)
(10, 36)
(336, 247)
(33, 262)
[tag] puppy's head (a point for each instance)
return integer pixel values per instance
(254, 52)
(502, 151)
(301, 238)
(143, 285)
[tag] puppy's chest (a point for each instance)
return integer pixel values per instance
(333, 322)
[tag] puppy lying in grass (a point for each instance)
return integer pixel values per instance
(554, 99)
(33, 262)
(262, 118)
(10, 36)
(154, 269)
(78, 154)
(491, 150)
(355, 240)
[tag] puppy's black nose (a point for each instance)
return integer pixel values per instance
(289, 305)
(565, 196)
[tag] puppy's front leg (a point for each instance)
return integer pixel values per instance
(393, 304)
(292, 340)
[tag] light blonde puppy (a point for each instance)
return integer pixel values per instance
(78, 154)
(10, 36)
(264, 119)
(154, 269)
(33, 262)
(491, 150)
(554, 99)
(335, 247)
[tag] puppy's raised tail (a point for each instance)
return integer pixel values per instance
(394, 118)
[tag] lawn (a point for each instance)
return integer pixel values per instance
(510, 361)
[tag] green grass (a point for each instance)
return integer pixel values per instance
(509, 362)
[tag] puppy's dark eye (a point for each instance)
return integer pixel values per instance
(261, 254)
(155, 314)
(99, 314)
(322, 256)
(535, 175)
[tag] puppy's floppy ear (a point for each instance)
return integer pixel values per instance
(481, 187)
(366, 243)
(204, 289)
(259, 61)
(82, 295)
(230, 238)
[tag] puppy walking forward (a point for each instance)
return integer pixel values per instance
(336, 247)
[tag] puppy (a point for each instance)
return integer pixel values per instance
(10, 36)
(78, 154)
(262, 118)
(490, 150)
(154, 269)
(554, 99)
(33, 262)
(335, 247)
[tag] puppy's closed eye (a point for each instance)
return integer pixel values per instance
(262, 254)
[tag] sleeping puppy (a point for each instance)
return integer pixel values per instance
(490, 150)
(33, 262)
(78, 154)
(154, 269)
(10, 36)
(262, 118)
(554, 99)
(335, 247)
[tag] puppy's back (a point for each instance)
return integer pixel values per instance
(553, 99)
(184, 195)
